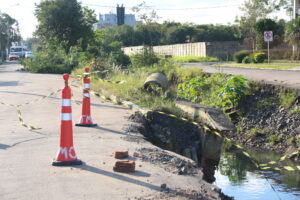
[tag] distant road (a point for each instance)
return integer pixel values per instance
(288, 78)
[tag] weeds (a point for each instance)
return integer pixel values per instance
(287, 97)
(255, 132)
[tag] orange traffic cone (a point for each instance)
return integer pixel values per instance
(86, 119)
(66, 154)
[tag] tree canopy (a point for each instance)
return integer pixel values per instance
(65, 22)
(9, 31)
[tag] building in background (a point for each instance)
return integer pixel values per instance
(111, 19)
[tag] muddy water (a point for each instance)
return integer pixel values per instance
(238, 177)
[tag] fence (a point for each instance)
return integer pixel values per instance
(203, 49)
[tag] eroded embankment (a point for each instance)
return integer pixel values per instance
(270, 120)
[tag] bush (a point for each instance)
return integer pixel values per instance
(52, 60)
(246, 60)
(118, 58)
(260, 57)
(239, 56)
(146, 58)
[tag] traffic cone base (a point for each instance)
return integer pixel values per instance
(66, 163)
(65, 157)
(86, 125)
(86, 121)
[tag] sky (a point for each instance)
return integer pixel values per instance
(195, 11)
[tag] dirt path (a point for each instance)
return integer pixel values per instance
(25, 167)
(288, 78)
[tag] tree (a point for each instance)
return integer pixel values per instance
(292, 34)
(253, 10)
(9, 32)
(64, 22)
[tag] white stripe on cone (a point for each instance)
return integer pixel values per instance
(86, 86)
(66, 116)
(86, 95)
(66, 102)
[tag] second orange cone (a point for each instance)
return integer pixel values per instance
(86, 119)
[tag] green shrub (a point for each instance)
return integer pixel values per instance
(260, 57)
(52, 60)
(193, 89)
(146, 58)
(118, 58)
(246, 60)
(232, 92)
(239, 56)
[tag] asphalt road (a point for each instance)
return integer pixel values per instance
(288, 78)
(25, 156)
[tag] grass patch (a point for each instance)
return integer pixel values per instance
(274, 139)
(255, 132)
(185, 59)
(287, 97)
(279, 66)
(128, 85)
(295, 110)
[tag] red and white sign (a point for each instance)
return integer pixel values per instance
(268, 36)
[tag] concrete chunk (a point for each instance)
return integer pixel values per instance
(206, 114)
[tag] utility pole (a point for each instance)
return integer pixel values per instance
(296, 9)
(295, 15)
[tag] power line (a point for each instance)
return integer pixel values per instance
(199, 8)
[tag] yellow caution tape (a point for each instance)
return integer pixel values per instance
(246, 154)
(238, 146)
(265, 168)
(262, 165)
(272, 162)
(298, 167)
(21, 120)
(195, 123)
(184, 119)
(289, 168)
(206, 128)
(171, 115)
(217, 133)
(283, 158)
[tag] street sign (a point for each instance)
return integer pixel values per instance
(268, 36)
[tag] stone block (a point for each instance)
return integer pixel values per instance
(124, 166)
(120, 154)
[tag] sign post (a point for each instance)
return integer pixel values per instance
(268, 37)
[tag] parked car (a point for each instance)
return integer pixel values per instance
(13, 56)
(29, 54)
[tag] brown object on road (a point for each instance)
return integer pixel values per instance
(124, 166)
(120, 154)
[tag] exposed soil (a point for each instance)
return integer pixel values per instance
(267, 124)
(176, 135)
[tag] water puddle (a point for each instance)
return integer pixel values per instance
(238, 177)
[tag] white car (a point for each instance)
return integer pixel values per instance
(29, 54)
(13, 56)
